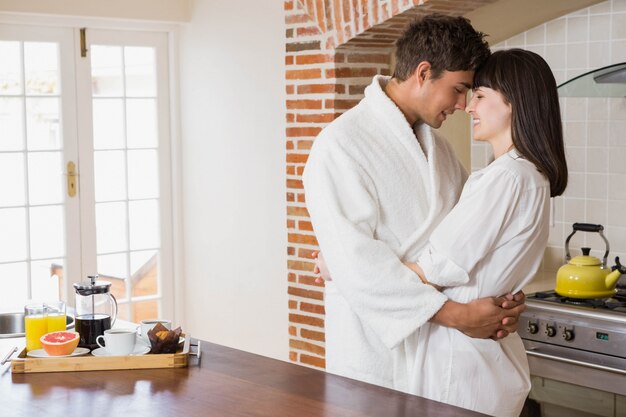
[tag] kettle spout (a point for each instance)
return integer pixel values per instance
(611, 279)
(618, 270)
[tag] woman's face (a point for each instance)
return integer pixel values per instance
(491, 117)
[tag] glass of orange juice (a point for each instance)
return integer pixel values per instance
(35, 325)
(55, 312)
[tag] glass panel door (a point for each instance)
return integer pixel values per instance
(108, 115)
(38, 221)
(127, 78)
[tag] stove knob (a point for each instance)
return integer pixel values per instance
(532, 328)
(568, 335)
(550, 331)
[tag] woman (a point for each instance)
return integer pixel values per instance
(492, 242)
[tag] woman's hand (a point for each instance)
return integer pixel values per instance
(514, 305)
(320, 268)
(420, 273)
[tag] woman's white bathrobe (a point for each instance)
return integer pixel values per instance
(491, 243)
(375, 194)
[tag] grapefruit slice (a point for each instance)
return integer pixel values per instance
(59, 343)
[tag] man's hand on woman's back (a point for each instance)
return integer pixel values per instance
(320, 268)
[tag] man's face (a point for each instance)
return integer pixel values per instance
(443, 95)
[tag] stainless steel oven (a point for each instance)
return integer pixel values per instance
(577, 354)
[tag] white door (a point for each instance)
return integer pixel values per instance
(39, 230)
(123, 114)
(107, 112)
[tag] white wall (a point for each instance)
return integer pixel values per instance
(232, 115)
(155, 10)
(232, 286)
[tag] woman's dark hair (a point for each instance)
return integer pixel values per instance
(448, 43)
(526, 82)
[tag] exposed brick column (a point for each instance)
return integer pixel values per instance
(333, 48)
(309, 92)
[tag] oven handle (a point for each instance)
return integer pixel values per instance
(575, 362)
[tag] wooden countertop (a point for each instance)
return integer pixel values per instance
(226, 382)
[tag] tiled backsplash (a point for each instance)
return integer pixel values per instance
(595, 132)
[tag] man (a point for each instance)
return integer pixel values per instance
(377, 182)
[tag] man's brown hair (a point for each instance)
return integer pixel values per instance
(448, 43)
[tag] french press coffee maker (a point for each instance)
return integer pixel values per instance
(95, 310)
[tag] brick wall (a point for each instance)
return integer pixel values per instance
(333, 48)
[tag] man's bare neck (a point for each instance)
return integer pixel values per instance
(398, 94)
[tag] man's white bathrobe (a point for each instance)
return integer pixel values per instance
(375, 194)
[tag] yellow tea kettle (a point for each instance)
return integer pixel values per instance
(586, 276)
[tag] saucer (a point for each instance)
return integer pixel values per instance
(139, 340)
(40, 353)
(140, 349)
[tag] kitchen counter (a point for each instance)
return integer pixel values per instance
(226, 382)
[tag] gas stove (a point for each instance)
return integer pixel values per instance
(588, 337)
(616, 303)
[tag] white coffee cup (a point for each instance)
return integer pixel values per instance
(146, 325)
(118, 342)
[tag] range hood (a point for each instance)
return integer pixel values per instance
(604, 82)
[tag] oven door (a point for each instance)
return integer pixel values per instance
(569, 382)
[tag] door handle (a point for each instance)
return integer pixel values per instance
(71, 179)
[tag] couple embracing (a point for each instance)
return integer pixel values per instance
(425, 266)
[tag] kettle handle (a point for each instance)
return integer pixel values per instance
(587, 227)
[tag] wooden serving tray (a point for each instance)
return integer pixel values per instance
(24, 364)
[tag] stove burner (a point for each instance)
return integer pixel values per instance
(616, 303)
(577, 301)
(543, 294)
